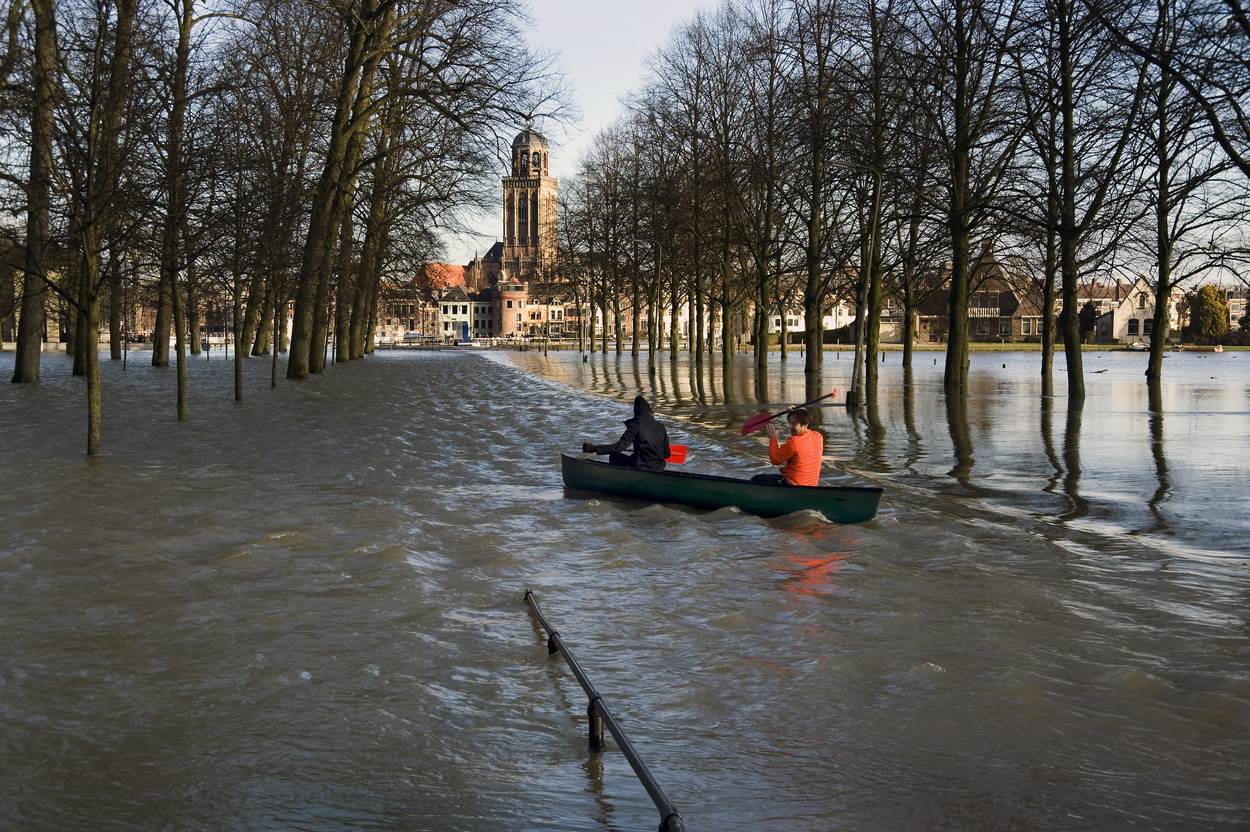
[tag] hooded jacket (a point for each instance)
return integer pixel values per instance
(647, 436)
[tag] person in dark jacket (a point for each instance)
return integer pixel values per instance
(644, 434)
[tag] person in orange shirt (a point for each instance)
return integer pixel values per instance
(799, 456)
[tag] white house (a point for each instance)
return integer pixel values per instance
(1131, 319)
(455, 316)
(796, 319)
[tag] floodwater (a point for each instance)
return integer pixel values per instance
(305, 611)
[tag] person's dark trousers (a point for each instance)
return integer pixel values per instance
(770, 479)
(625, 460)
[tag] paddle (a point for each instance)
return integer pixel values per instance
(756, 422)
(676, 454)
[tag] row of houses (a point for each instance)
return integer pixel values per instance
(1000, 309)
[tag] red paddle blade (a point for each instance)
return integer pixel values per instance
(676, 454)
(756, 422)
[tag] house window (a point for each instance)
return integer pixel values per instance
(445, 308)
(1004, 326)
(509, 304)
(1026, 326)
(1132, 326)
(1147, 327)
(1141, 301)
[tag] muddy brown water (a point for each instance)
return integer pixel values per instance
(305, 611)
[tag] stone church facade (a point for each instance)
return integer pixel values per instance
(491, 295)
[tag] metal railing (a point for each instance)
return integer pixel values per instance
(598, 714)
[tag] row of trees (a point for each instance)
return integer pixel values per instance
(789, 152)
(286, 154)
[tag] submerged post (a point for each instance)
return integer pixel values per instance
(595, 724)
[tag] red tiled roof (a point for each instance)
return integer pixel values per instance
(445, 275)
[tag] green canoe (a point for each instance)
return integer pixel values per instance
(841, 504)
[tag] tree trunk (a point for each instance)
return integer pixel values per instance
(116, 300)
(180, 346)
(161, 328)
(262, 335)
(370, 259)
(635, 313)
(760, 320)
(78, 344)
(193, 310)
(314, 263)
(1068, 231)
(94, 419)
(175, 207)
(373, 323)
(674, 322)
(1163, 242)
(1050, 266)
(603, 333)
(618, 330)
(955, 374)
(872, 339)
(31, 321)
(237, 322)
(8, 302)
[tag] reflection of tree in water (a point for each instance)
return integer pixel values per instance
(1048, 445)
(676, 379)
(961, 439)
(727, 383)
(914, 449)
(1156, 451)
(875, 444)
(1077, 505)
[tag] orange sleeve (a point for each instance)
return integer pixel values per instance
(778, 455)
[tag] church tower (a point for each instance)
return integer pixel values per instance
(529, 211)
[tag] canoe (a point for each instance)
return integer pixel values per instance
(839, 503)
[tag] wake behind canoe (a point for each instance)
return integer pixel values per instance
(841, 504)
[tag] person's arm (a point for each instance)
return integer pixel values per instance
(625, 442)
(778, 455)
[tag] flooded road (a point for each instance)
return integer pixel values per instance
(305, 611)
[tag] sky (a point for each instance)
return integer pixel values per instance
(603, 46)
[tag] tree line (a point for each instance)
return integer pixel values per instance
(787, 153)
(289, 155)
